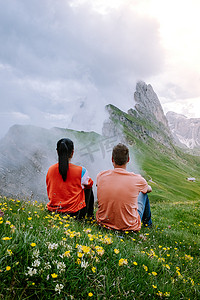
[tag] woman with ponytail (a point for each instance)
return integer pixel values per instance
(69, 187)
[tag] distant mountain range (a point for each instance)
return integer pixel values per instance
(185, 131)
(26, 152)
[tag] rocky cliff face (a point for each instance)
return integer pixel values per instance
(186, 132)
(146, 120)
(148, 105)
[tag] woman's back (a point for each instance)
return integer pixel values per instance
(67, 196)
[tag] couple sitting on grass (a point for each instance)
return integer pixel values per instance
(122, 197)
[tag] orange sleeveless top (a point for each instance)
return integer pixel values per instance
(66, 196)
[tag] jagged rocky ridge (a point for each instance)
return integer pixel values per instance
(146, 120)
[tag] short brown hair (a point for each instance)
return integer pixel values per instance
(120, 154)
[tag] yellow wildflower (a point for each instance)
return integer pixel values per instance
(54, 275)
(154, 273)
(122, 262)
(6, 238)
(94, 269)
(33, 244)
(145, 267)
(8, 268)
(85, 249)
(67, 253)
(90, 294)
(116, 251)
(99, 250)
(9, 251)
(135, 263)
(167, 266)
(80, 254)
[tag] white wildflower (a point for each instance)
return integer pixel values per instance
(61, 266)
(55, 262)
(31, 271)
(47, 266)
(52, 246)
(36, 263)
(36, 253)
(59, 287)
(84, 264)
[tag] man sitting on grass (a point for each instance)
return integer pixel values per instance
(122, 196)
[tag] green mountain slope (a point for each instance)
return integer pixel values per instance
(164, 165)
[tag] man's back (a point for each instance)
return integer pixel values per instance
(117, 192)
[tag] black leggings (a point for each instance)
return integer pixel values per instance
(88, 209)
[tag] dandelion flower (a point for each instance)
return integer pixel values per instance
(90, 294)
(8, 268)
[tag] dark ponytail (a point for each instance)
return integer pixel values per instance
(65, 148)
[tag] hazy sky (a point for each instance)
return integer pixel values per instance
(62, 61)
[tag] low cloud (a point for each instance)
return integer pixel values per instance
(56, 59)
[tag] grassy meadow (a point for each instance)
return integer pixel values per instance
(53, 256)
(45, 256)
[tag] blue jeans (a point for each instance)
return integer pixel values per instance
(144, 209)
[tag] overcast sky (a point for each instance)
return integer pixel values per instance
(62, 61)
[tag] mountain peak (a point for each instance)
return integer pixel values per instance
(147, 103)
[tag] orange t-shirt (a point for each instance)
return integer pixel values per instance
(117, 193)
(67, 196)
